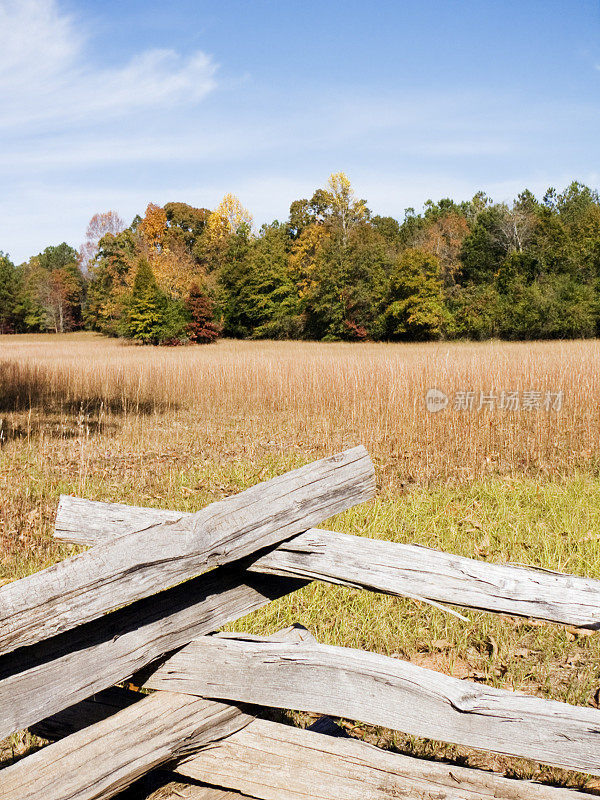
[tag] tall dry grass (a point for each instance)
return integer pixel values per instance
(315, 397)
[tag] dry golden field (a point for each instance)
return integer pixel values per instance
(180, 427)
(246, 400)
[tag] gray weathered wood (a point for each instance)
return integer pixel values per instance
(139, 564)
(102, 759)
(194, 791)
(38, 681)
(382, 566)
(379, 690)
(95, 708)
(107, 702)
(277, 762)
(91, 522)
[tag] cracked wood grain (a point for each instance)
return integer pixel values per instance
(102, 759)
(40, 680)
(379, 690)
(109, 744)
(397, 569)
(271, 761)
(136, 565)
(277, 762)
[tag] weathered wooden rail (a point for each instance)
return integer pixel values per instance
(143, 603)
(397, 569)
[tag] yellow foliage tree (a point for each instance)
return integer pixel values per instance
(153, 226)
(223, 223)
(228, 217)
(172, 264)
(345, 206)
(302, 259)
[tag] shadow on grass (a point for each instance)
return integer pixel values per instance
(34, 388)
(53, 427)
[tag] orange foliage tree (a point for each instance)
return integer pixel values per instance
(173, 265)
(444, 239)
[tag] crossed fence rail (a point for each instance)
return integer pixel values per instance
(142, 604)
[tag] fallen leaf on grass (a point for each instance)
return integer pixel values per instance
(579, 633)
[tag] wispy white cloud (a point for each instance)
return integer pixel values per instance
(45, 78)
(62, 111)
(424, 126)
(79, 137)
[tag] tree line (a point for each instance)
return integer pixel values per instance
(331, 271)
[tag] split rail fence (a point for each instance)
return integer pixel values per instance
(142, 605)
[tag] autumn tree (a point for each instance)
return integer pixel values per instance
(168, 250)
(230, 220)
(526, 268)
(346, 209)
(303, 256)
(110, 280)
(443, 238)
(335, 206)
(53, 287)
(99, 226)
(228, 217)
(202, 329)
(336, 259)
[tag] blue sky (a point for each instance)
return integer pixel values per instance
(114, 104)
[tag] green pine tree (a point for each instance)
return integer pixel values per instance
(8, 295)
(146, 313)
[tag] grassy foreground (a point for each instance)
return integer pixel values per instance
(180, 428)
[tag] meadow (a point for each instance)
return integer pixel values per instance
(181, 427)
